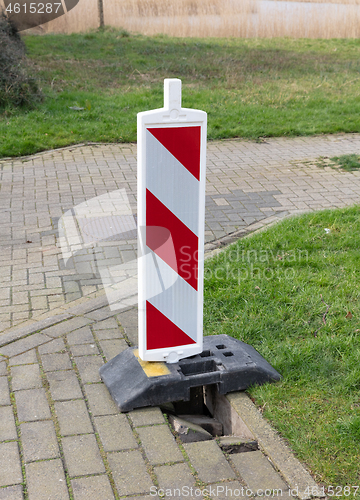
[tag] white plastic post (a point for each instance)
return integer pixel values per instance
(171, 220)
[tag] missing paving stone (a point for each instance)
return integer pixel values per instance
(193, 421)
(244, 447)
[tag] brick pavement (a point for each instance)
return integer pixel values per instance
(247, 183)
(61, 436)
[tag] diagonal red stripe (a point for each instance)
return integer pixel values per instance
(184, 240)
(183, 143)
(161, 332)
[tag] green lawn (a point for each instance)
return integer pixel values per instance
(293, 293)
(249, 87)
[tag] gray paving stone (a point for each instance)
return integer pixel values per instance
(3, 369)
(12, 493)
(111, 333)
(64, 385)
(24, 345)
(7, 424)
(24, 359)
(112, 348)
(56, 361)
(129, 472)
(81, 336)
(32, 405)
(88, 367)
(56, 345)
(257, 472)
(73, 417)
(209, 461)
(67, 326)
(100, 401)
(115, 432)
(146, 416)
(82, 455)
(92, 488)
(4, 391)
(129, 321)
(175, 477)
(159, 444)
(100, 314)
(39, 441)
(46, 480)
(26, 377)
(105, 324)
(148, 497)
(232, 489)
(10, 470)
(84, 350)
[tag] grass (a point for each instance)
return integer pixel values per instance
(293, 292)
(249, 87)
(347, 162)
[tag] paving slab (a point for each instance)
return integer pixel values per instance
(146, 416)
(73, 417)
(55, 361)
(100, 401)
(4, 391)
(32, 405)
(64, 385)
(7, 427)
(54, 346)
(88, 367)
(12, 493)
(176, 478)
(10, 470)
(28, 357)
(115, 432)
(159, 444)
(46, 480)
(130, 472)
(84, 350)
(26, 377)
(226, 490)
(258, 473)
(82, 455)
(209, 461)
(39, 441)
(92, 488)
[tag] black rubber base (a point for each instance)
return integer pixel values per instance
(227, 362)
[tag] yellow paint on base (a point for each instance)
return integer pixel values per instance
(152, 368)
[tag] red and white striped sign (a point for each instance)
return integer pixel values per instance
(171, 217)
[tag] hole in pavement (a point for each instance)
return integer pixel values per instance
(204, 418)
(241, 447)
(227, 354)
(221, 346)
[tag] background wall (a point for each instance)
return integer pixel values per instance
(83, 17)
(217, 18)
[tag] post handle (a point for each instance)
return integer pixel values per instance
(172, 94)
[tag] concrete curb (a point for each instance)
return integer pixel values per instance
(65, 148)
(294, 473)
